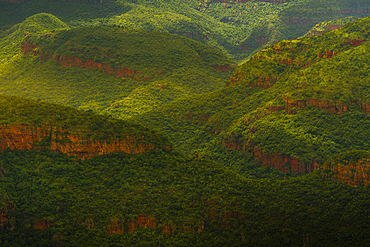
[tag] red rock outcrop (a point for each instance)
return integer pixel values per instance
(142, 220)
(115, 227)
(27, 47)
(352, 174)
(328, 54)
(26, 137)
(364, 106)
(355, 42)
(73, 61)
(275, 160)
(338, 107)
(283, 164)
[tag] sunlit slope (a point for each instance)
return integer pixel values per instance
(326, 26)
(10, 41)
(291, 107)
(238, 28)
(121, 71)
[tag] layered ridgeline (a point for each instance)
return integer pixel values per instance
(238, 28)
(32, 125)
(153, 196)
(291, 107)
(121, 71)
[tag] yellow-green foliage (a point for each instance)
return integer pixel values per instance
(167, 67)
(244, 113)
(238, 29)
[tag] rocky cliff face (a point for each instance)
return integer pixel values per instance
(75, 144)
(328, 54)
(275, 160)
(338, 107)
(283, 164)
(353, 174)
(73, 61)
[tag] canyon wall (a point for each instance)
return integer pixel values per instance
(71, 143)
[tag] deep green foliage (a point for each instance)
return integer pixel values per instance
(173, 189)
(349, 157)
(298, 70)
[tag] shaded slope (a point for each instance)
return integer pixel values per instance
(351, 168)
(164, 198)
(291, 107)
(108, 68)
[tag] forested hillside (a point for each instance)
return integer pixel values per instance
(156, 196)
(274, 152)
(238, 28)
(27, 124)
(326, 26)
(291, 107)
(115, 70)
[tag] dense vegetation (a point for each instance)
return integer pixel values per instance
(120, 71)
(303, 98)
(55, 118)
(159, 197)
(238, 28)
(326, 26)
(167, 199)
(235, 173)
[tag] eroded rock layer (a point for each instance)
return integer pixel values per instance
(350, 173)
(76, 144)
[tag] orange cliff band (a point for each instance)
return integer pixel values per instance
(73, 144)
(73, 61)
